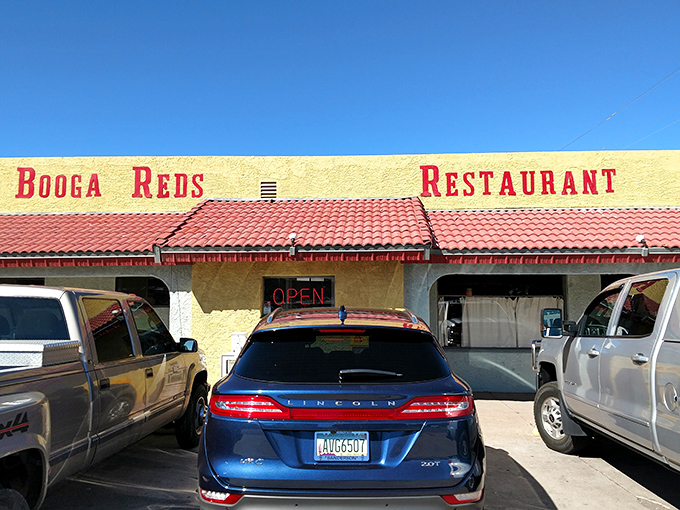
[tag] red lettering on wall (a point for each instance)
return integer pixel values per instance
(198, 192)
(569, 187)
(26, 187)
(451, 190)
(609, 173)
(548, 180)
(163, 185)
(44, 187)
(470, 187)
(93, 187)
(143, 179)
(486, 176)
(142, 183)
(60, 186)
(525, 183)
(506, 185)
(430, 182)
(76, 191)
(181, 182)
(589, 182)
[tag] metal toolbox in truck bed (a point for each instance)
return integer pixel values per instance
(37, 353)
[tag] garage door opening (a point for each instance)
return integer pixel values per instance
(494, 311)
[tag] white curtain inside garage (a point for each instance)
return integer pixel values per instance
(503, 321)
(528, 314)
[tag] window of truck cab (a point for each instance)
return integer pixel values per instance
(641, 308)
(112, 339)
(596, 318)
(154, 337)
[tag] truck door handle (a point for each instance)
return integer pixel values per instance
(149, 372)
(104, 383)
(639, 358)
(593, 352)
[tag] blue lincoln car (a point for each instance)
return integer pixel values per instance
(334, 409)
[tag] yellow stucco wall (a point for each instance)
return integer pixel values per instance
(227, 297)
(642, 178)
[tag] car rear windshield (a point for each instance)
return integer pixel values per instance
(376, 355)
(29, 318)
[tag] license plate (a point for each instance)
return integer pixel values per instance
(341, 446)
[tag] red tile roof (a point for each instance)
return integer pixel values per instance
(24, 234)
(555, 229)
(340, 229)
(337, 224)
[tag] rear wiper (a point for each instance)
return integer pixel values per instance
(366, 372)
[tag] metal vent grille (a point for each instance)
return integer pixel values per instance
(268, 189)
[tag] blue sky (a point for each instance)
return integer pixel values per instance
(95, 78)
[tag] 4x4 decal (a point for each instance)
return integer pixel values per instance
(19, 424)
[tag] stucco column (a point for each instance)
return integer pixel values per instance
(418, 295)
(580, 289)
(179, 285)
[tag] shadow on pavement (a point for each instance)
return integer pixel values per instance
(510, 487)
(156, 474)
(153, 474)
(654, 477)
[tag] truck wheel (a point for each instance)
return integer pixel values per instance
(548, 416)
(12, 500)
(189, 427)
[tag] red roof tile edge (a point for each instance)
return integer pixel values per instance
(400, 223)
(414, 253)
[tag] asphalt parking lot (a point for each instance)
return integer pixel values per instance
(522, 473)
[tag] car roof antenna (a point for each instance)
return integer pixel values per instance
(342, 314)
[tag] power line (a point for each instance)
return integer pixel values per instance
(650, 123)
(655, 132)
(621, 109)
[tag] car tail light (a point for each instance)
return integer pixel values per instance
(417, 409)
(221, 498)
(452, 406)
(250, 406)
(260, 407)
(466, 497)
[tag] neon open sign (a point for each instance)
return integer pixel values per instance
(303, 296)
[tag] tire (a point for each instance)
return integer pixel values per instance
(12, 500)
(189, 427)
(548, 416)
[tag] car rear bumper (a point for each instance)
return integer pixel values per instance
(400, 503)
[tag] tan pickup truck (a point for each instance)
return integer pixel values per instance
(83, 374)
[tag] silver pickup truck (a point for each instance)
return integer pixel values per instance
(84, 374)
(615, 372)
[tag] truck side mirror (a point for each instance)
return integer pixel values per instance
(188, 345)
(551, 323)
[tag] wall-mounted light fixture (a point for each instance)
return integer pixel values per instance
(293, 249)
(645, 249)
